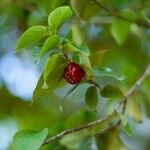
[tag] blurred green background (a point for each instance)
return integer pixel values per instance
(19, 73)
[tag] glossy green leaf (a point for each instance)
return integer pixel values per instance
(30, 36)
(96, 57)
(51, 42)
(107, 72)
(58, 16)
(91, 97)
(111, 91)
(29, 140)
(126, 126)
(53, 63)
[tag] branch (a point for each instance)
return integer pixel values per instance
(105, 118)
(88, 125)
(115, 14)
(125, 99)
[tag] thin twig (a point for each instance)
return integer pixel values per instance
(105, 118)
(115, 14)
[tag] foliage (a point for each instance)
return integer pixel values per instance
(83, 32)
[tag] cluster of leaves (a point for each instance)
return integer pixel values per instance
(63, 50)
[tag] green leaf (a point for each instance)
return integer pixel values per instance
(111, 91)
(52, 63)
(39, 91)
(91, 97)
(54, 78)
(30, 36)
(29, 140)
(51, 42)
(108, 72)
(71, 90)
(96, 57)
(126, 126)
(58, 16)
(85, 62)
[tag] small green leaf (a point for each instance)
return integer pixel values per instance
(126, 126)
(52, 63)
(91, 97)
(51, 42)
(29, 140)
(96, 57)
(30, 36)
(111, 91)
(58, 16)
(108, 72)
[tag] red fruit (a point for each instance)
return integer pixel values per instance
(73, 73)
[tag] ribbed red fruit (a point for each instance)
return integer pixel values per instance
(73, 73)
